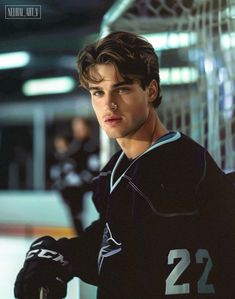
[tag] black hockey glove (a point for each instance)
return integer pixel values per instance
(44, 266)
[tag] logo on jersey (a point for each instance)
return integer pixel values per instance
(109, 246)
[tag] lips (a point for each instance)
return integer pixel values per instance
(112, 120)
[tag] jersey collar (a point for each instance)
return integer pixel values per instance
(172, 136)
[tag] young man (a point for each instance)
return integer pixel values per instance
(166, 227)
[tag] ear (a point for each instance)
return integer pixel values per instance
(152, 90)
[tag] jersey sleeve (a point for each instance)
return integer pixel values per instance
(82, 252)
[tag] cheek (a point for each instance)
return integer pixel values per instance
(97, 113)
(95, 108)
(141, 110)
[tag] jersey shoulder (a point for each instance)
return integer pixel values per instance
(169, 176)
(183, 156)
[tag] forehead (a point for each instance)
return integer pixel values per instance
(105, 73)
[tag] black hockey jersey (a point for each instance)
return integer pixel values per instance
(166, 228)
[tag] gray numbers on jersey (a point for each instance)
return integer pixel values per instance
(171, 287)
(183, 254)
(202, 285)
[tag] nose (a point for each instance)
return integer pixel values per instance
(110, 102)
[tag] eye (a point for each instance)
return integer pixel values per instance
(123, 90)
(98, 93)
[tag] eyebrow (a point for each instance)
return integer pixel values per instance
(125, 82)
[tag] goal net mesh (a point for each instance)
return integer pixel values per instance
(195, 41)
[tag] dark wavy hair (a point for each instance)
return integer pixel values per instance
(133, 56)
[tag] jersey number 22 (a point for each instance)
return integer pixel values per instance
(202, 256)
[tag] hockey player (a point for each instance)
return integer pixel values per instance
(167, 212)
(74, 166)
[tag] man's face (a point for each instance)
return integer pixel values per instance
(133, 103)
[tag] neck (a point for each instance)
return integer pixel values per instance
(144, 137)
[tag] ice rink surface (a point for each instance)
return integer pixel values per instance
(12, 253)
(28, 209)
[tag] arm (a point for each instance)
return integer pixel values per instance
(82, 252)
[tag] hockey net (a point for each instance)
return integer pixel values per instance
(196, 46)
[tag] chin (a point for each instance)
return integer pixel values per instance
(114, 135)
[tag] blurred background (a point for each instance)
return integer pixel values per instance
(50, 143)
